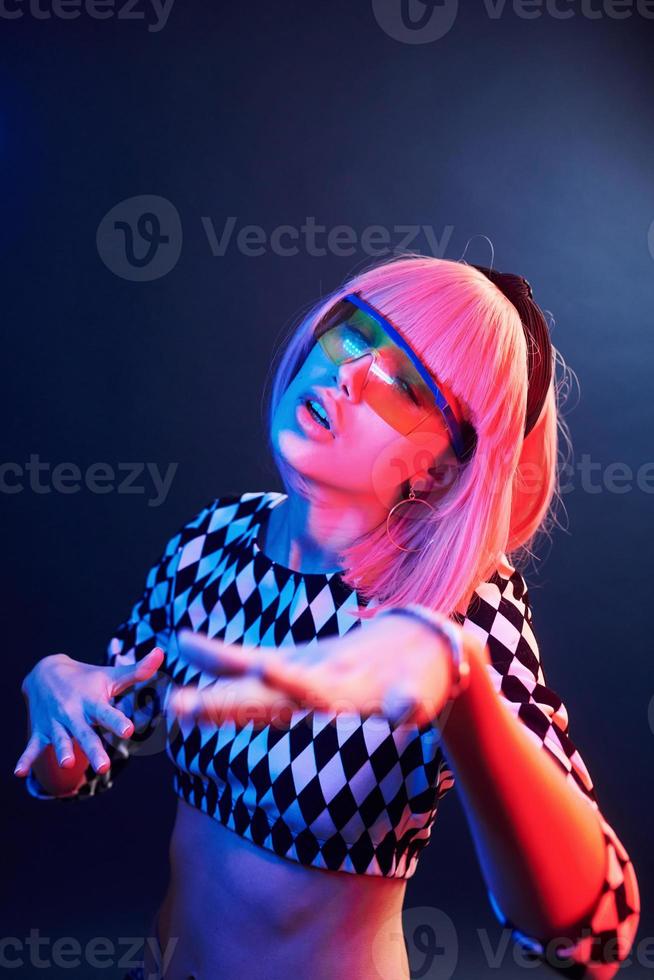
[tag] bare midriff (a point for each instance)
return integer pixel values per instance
(234, 909)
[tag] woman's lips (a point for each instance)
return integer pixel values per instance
(310, 426)
(326, 402)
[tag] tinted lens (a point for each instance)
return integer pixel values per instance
(397, 392)
(351, 338)
(393, 388)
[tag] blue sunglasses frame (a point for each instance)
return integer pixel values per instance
(460, 445)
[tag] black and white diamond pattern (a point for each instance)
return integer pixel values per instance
(331, 791)
(500, 615)
(334, 791)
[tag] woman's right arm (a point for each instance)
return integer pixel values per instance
(69, 702)
(66, 700)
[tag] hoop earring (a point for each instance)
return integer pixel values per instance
(411, 499)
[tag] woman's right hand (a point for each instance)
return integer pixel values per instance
(65, 698)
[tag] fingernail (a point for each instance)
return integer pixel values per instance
(66, 758)
(18, 770)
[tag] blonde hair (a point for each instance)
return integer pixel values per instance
(470, 336)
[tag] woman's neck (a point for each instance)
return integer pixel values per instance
(308, 535)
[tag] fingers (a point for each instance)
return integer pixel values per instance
(63, 745)
(243, 700)
(356, 674)
(215, 656)
(295, 680)
(318, 674)
(125, 676)
(92, 746)
(350, 688)
(111, 718)
(35, 746)
(232, 659)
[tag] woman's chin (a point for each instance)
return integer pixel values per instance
(294, 446)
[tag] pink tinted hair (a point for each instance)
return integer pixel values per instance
(469, 335)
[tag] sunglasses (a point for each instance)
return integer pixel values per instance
(397, 387)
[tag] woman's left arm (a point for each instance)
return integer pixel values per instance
(556, 872)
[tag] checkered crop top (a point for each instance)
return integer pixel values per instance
(358, 797)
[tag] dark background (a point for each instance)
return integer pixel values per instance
(535, 132)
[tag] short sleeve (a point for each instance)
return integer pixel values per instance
(499, 614)
(148, 624)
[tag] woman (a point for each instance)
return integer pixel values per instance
(329, 660)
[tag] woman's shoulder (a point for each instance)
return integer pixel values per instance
(505, 580)
(237, 507)
(499, 613)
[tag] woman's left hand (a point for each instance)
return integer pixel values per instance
(394, 666)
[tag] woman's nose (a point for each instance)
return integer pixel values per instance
(352, 376)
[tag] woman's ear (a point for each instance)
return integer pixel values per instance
(441, 475)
